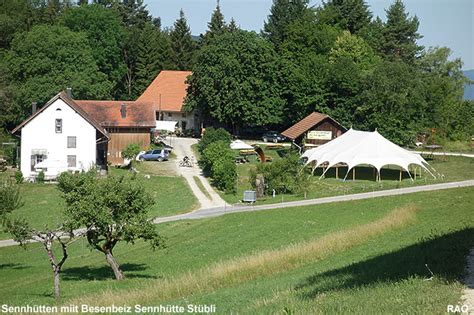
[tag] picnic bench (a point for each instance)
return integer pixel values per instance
(247, 152)
(274, 146)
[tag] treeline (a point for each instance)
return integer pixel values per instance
(336, 59)
(102, 49)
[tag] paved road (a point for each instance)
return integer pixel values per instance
(182, 148)
(213, 212)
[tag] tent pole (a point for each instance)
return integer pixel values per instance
(337, 172)
(354, 173)
(323, 175)
(409, 174)
(348, 170)
(400, 177)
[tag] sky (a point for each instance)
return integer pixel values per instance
(442, 22)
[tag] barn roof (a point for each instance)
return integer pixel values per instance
(73, 104)
(109, 113)
(306, 124)
(167, 91)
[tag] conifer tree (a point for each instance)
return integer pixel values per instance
(182, 43)
(282, 14)
(351, 15)
(154, 55)
(233, 25)
(217, 25)
(400, 34)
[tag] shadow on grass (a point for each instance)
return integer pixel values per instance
(364, 173)
(13, 266)
(104, 272)
(445, 256)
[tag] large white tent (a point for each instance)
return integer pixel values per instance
(363, 148)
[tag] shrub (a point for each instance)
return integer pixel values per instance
(19, 177)
(225, 175)
(285, 175)
(218, 162)
(131, 151)
(212, 135)
(40, 177)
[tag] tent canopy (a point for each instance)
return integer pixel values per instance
(240, 145)
(361, 147)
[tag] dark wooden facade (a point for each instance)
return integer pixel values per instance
(120, 138)
(327, 125)
(313, 130)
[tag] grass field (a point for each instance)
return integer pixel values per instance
(201, 187)
(382, 271)
(43, 203)
(453, 169)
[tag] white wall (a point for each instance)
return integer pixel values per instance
(178, 116)
(40, 133)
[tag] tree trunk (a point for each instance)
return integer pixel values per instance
(57, 292)
(113, 264)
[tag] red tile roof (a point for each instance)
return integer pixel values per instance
(167, 91)
(73, 104)
(306, 124)
(108, 113)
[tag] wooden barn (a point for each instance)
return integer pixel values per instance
(313, 130)
(125, 121)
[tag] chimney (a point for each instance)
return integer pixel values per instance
(123, 110)
(69, 92)
(33, 107)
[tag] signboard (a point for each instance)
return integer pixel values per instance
(319, 135)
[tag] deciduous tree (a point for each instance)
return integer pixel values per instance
(236, 81)
(106, 37)
(49, 59)
(113, 210)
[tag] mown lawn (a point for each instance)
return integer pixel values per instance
(383, 274)
(452, 169)
(43, 203)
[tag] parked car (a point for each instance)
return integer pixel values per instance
(272, 136)
(154, 155)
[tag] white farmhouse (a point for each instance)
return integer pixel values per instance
(60, 137)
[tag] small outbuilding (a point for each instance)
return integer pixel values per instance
(314, 130)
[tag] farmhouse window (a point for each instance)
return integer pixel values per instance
(71, 142)
(59, 125)
(183, 115)
(71, 161)
(35, 159)
(169, 115)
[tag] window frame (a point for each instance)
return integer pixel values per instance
(75, 160)
(58, 125)
(70, 146)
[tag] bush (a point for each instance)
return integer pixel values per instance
(40, 177)
(224, 174)
(218, 162)
(285, 175)
(131, 151)
(212, 135)
(19, 177)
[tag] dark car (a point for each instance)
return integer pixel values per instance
(273, 136)
(154, 155)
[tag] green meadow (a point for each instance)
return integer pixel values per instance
(316, 259)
